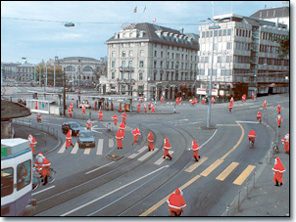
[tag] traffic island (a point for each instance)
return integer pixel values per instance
(113, 157)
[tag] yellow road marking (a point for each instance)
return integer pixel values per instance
(243, 176)
(238, 142)
(213, 166)
(195, 165)
(161, 202)
(227, 171)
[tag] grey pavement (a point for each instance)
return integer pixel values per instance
(266, 199)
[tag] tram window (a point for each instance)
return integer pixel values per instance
(6, 181)
(23, 174)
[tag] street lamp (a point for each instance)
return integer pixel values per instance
(213, 27)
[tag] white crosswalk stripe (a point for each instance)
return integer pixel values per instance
(161, 160)
(100, 147)
(63, 148)
(148, 154)
(87, 151)
(111, 143)
(75, 149)
(132, 156)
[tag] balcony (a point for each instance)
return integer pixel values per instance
(126, 69)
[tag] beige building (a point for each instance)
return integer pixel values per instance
(245, 58)
(153, 61)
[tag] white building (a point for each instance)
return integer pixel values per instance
(151, 60)
(245, 58)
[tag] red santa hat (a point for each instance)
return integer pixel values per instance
(194, 146)
(69, 134)
(167, 145)
(115, 117)
(100, 112)
(136, 132)
(122, 126)
(278, 167)
(123, 114)
(178, 191)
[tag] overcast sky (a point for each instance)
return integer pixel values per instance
(96, 22)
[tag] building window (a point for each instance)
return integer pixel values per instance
(140, 76)
(130, 53)
(130, 63)
(113, 53)
(161, 54)
(141, 64)
(123, 53)
(113, 75)
(140, 90)
(161, 64)
(155, 64)
(229, 45)
(123, 89)
(7, 183)
(173, 56)
(155, 53)
(142, 53)
(122, 75)
(113, 64)
(68, 68)
(123, 64)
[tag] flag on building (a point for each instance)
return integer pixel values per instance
(135, 10)
(144, 9)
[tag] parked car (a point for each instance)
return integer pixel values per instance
(74, 126)
(85, 103)
(86, 139)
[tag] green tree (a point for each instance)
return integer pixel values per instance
(284, 49)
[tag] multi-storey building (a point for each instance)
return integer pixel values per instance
(81, 70)
(25, 72)
(245, 58)
(9, 70)
(278, 15)
(153, 61)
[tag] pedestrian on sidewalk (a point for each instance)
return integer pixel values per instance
(136, 132)
(150, 139)
(195, 101)
(161, 99)
(203, 100)
(279, 107)
(83, 109)
(230, 107)
(278, 171)
(139, 107)
(244, 98)
(213, 100)
(88, 124)
(286, 142)
(180, 100)
(115, 118)
(167, 147)
(119, 137)
(95, 105)
(177, 101)
(195, 148)
(69, 139)
(231, 100)
(100, 113)
(279, 120)
(145, 107)
(176, 203)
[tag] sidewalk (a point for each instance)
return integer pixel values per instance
(266, 199)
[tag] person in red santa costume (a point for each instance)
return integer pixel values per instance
(122, 127)
(195, 101)
(192, 101)
(141, 99)
(180, 100)
(32, 143)
(100, 113)
(244, 98)
(83, 109)
(161, 99)
(115, 118)
(176, 203)
(119, 137)
(213, 100)
(136, 132)
(70, 112)
(259, 116)
(166, 148)
(252, 135)
(230, 107)
(139, 107)
(279, 107)
(264, 104)
(145, 107)
(42, 166)
(203, 100)
(71, 106)
(153, 108)
(88, 124)
(177, 100)
(120, 109)
(124, 117)
(278, 171)
(150, 139)
(69, 139)
(231, 100)
(39, 117)
(279, 120)
(253, 95)
(286, 142)
(195, 148)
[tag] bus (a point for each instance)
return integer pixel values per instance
(16, 178)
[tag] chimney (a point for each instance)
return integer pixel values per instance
(181, 30)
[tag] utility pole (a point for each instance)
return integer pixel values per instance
(64, 94)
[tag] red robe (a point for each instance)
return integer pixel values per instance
(124, 117)
(203, 101)
(230, 107)
(279, 120)
(32, 144)
(161, 99)
(115, 119)
(139, 108)
(264, 104)
(166, 148)
(153, 109)
(71, 106)
(278, 170)
(119, 138)
(145, 108)
(253, 95)
(45, 166)
(212, 100)
(286, 142)
(177, 100)
(100, 114)
(252, 135)
(70, 112)
(176, 203)
(150, 139)
(120, 109)
(69, 139)
(136, 132)
(259, 115)
(195, 101)
(88, 125)
(122, 128)
(83, 109)
(279, 107)
(195, 148)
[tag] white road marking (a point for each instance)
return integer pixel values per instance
(248, 122)
(100, 147)
(75, 149)
(38, 192)
(139, 152)
(87, 151)
(111, 143)
(111, 192)
(99, 168)
(209, 139)
(96, 131)
(63, 148)
(146, 155)
(161, 160)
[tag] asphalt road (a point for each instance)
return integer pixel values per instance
(139, 183)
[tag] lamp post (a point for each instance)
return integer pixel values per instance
(213, 27)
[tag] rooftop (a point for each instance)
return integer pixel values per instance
(272, 13)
